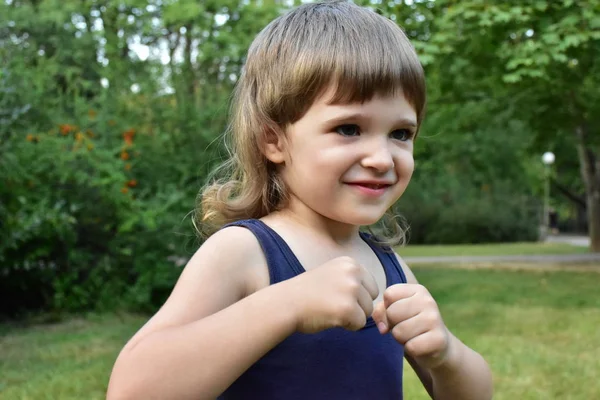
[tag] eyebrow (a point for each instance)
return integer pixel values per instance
(409, 122)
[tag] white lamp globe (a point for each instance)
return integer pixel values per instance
(548, 158)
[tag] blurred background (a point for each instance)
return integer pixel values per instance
(110, 120)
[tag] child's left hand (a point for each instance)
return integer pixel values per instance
(412, 315)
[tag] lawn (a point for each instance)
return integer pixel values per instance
(538, 330)
(496, 249)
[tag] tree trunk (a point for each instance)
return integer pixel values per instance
(590, 172)
(594, 221)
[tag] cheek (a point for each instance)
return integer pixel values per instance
(326, 159)
(405, 166)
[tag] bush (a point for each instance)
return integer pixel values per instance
(91, 218)
(448, 213)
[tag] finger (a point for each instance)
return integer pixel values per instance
(400, 291)
(429, 344)
(365, 301)
(380, 318)
(369, 282)
(408, 330)
(403, 310)
(357, 320)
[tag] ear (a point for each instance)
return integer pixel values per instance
(274, 146)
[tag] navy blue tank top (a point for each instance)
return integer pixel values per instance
(332, 364)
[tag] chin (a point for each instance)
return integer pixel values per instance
(362, 219)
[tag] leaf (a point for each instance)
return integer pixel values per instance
(128, 224)
(541, 5)
(551, 38)
(512, 78)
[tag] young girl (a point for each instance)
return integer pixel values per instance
(288, 299)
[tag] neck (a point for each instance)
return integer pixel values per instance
(322, 227)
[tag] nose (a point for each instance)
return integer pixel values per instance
(378, 156)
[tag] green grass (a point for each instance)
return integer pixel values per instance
(68, 360)
(538, 330)
(497, 249)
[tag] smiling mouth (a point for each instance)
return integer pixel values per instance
(371, 185)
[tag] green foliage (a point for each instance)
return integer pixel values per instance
(81, 226)
(101, 154)
(539, 59)
(447, 211)
(110, 115)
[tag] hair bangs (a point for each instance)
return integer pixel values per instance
(354, 50)
(359, 73)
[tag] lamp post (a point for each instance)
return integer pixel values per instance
(548, 159)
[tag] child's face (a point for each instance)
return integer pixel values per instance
(350, 162)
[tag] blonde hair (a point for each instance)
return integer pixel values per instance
(291, 62)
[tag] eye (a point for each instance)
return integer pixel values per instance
(348, 130)
(403, 135)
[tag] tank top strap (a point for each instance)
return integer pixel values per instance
(281, 261)
(393, 270)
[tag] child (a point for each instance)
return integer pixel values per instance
(288, 299)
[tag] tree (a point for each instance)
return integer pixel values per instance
(538, 58)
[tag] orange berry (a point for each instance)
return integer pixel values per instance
(129, 132)
(124, 190)
(65, 129)
(132, 183)
(124, 155)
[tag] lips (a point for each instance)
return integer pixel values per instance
(371, 185)
(375, 186)
(370, 189)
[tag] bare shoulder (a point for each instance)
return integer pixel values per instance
(223, 270)
(410, 277)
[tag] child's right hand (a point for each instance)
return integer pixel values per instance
(339, 293)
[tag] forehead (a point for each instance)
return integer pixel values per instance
(394, 106)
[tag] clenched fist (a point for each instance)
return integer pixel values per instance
(339, 293)
(412, 316)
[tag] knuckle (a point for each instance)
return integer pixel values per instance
(357, 324)
(421, 291)
(429, 301)
(412, 347)
(391, 315)
(347, 261)
(374, 293)
(398, 334)
(345, 309)
(388, 295)
(431, 318)
(437, 342)
(440, 339)
(353, 285)
(349, 265)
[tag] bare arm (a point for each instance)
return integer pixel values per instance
(465, 375)
(207, 333)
